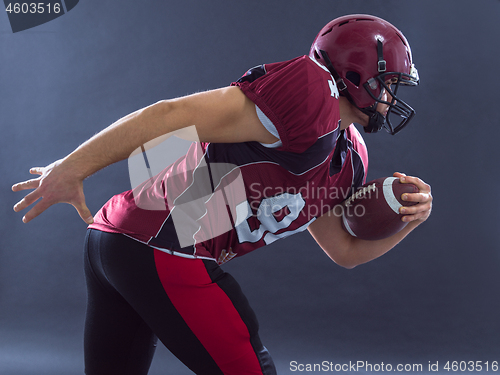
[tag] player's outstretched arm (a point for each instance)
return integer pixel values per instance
(223, 115)
(349, 251)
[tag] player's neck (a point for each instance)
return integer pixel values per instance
(350, 114)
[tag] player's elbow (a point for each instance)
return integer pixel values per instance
(346, 263)
(350, 266)
(336, 243)
(342, 257)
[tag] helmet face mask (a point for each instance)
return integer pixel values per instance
(369, 59)
(396, 106)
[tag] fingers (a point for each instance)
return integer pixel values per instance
(36, 210)
(84, 212)
(37, 170)
(417, 212)
(51, 188)
(423, 198)
(45, 203)
(28, 200)
(29, 184)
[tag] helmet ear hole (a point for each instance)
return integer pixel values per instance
(316, 55)
(354, 77)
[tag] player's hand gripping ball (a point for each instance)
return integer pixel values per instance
(372, 212)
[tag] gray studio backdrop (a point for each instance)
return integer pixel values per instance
(435, 298)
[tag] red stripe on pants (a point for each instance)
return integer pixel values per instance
(208, 312)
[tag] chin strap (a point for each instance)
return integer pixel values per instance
(375, 123)
(338, 79)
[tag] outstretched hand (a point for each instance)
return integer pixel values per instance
(422, 210)
(56, 184)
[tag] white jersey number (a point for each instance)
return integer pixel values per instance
(268, 223)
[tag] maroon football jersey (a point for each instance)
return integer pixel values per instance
(220, 201)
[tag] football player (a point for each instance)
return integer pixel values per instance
(276, 152)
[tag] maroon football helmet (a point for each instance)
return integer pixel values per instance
(367, 57)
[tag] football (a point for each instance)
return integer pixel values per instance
(372, 212)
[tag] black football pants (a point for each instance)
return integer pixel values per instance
(198, 311)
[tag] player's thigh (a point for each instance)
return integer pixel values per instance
(215, 309)
(198, 311)
(128, 267)
(116, 340)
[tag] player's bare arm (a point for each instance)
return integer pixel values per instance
(349, 251)
(223, 115)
